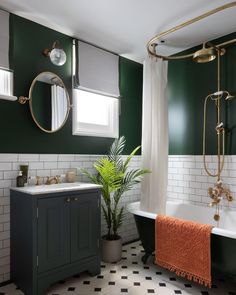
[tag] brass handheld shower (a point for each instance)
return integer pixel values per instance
(218, 192)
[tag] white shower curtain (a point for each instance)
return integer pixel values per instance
(59, 106)
(155, 137)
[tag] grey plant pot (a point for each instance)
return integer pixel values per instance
(111, 250)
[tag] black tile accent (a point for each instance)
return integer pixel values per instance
(172, 279)
(150, 290)
(188, 285)
(124, 266)
(158, 273)
(124, 258)
(133, 247)
(134, 254)
(135, 262)
(103, 266)
(146, 267)
(124, 290)
(112, 271)
(97, 289)
(148, 278)
(124, 277)
(86, 282)
(136, 272)
(178, 292)
(142, 251)
(111, 283)
(71, 289)
(162, 284)
(100, 277)
(204, 293)
(124, 250)
(137, 284)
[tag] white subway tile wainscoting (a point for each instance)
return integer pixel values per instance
(44, 165)
(188, 181)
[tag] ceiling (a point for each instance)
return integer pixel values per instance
(125, 26)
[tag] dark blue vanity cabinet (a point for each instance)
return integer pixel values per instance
(53, 236)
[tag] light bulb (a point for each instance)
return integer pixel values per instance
(58, 56)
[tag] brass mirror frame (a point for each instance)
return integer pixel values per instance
(23, 100)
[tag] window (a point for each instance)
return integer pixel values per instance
(95, 114)
(96, 93)
(6, 75)
(6, 82)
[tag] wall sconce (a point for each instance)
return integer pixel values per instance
(57, 55)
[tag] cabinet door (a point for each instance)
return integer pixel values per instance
(53, 233)
(85, 225)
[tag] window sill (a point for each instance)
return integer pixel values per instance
(95, 134)
(8, 97)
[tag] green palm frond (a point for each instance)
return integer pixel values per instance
(117, 147)
(130, 157)
(115, 152)
(90, 176)
(109, 175)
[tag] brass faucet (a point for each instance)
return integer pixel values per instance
(53, 180)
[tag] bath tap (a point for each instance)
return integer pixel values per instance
(217, 194)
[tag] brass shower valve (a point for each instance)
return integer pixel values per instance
(218, 192)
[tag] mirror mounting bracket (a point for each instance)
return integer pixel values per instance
(23, 99)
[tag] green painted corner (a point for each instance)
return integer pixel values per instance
(131, 87)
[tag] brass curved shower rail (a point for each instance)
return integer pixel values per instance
(152, 44)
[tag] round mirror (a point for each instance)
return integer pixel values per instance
(49, 102)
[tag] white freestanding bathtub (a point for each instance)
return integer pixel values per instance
(223, 238)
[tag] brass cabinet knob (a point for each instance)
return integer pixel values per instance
(68, 200)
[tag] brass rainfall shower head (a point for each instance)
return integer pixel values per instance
(205, 54)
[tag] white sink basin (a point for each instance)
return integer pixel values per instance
(52, 188)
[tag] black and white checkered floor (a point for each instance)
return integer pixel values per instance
(131, 276)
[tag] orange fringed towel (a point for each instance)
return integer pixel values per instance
(184, 247)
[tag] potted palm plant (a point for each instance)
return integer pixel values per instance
(116, 178)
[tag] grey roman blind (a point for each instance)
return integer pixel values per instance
(4, 39)
(97, 70)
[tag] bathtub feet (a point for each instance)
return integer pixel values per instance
(145, 257)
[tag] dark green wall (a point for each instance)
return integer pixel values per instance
(19, 134)
(131, 85)
(188, 85)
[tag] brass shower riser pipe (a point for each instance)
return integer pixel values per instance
(151, 45)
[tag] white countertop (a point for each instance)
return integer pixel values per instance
(54, 188)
